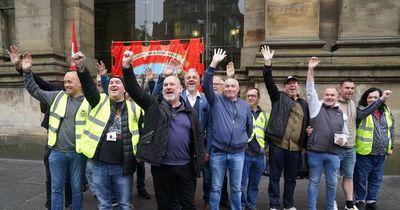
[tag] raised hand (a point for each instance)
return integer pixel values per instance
(14, 56)
(149, 74)
(169, 68)
(26, 63)
(219, 55)
(78, 58)
(230, 70)
(386, 95)
(101, 68)
(267, 54)
(313, 62)
(127, 59)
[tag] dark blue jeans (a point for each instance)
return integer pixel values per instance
(67, 189)
(253, 169)
(281, 160)
(60, 162)
(368, 176)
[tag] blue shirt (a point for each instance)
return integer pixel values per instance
(178, 150)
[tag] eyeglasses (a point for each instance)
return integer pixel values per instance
(251, 96)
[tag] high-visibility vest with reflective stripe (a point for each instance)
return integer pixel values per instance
(259, 128)
(57, 112)
(365, 134)
(97, 121)
(81, 117)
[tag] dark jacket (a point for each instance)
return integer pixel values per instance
(281, 107)
(154, 138)
(92, 95)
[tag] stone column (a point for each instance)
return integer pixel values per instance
(254, 30)
(39, 30)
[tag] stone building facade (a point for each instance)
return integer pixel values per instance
(358, 39)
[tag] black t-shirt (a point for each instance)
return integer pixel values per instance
(111, 148)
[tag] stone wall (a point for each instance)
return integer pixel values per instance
(42, 27)
(358, 39)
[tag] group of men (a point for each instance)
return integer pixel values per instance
(185, 133)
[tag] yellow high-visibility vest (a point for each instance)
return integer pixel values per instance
(259, 128)
(57, 112)
(97, 121)
(365, 134)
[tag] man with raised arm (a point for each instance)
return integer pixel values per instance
(286, 133)
(171, 140)
(109, 138)
(16, 60)
(68, 115)
(232, 126)
(330, 133)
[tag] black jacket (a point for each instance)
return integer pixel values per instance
(92, 95)
(281, 106)
(154, 135)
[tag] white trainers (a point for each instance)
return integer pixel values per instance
(353, 208)
(273, 209)
(293, 208)
(335, 205)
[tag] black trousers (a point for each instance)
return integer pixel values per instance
(67, 194)
(169, 180)
(140, 176)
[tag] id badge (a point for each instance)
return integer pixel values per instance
(111, 136)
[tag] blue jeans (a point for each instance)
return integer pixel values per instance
(103, 176)
(318, 162)
(368, 176)
(253, 169)
(219, 162)
(282, 160)
(59, 163)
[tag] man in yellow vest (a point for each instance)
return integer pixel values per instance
(254, 163)
(68, 113)
(109, 138)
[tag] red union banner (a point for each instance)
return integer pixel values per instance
(181, 56)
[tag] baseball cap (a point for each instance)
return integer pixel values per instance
(290, 78)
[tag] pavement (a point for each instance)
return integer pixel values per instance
(22, 187)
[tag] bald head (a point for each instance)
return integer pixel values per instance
(330, 96)
(231, 88)
(192, 80)
(72, 84)
(172, 89)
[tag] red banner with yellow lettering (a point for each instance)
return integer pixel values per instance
(182, 55)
